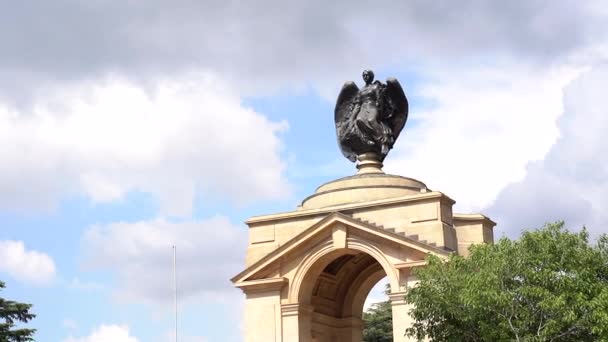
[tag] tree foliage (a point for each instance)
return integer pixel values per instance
(378, 322)
(550, 285)
(10, 313)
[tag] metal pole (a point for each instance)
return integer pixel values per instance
(175, 288)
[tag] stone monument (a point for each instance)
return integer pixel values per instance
(309, 271)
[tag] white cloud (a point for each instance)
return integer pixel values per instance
(187, 136)
(242, 42)
(571, 182)
(485, 125)
(209, 253)
(180, 139)
(28, 266)
(106, 333)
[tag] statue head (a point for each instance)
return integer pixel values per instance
(368, 76)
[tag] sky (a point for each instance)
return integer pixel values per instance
(127, 127)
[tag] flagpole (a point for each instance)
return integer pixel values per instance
(175, 288)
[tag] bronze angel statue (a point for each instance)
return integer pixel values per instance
(370, 119)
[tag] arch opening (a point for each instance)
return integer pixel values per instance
(338, 285)
(378, 314)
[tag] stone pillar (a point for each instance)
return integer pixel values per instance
(297, 322)
(401, 318)
(263, 309)
(263, 316)
(353, 332)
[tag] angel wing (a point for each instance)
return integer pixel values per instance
(343, 104)
(399, 106)
(342, 116)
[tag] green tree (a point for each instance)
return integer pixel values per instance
(550, 285)
(378, 321)
(11, 312)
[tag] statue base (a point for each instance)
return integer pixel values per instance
(369, 163)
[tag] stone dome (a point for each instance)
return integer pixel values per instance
(362, 187)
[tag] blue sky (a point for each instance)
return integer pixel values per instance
(127, 127)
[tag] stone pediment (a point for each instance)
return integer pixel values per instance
(334, 226)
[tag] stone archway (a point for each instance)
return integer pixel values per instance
(338, 295)
(309, 271)
(313, 287)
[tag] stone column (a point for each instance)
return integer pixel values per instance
(263, 316)
(263, 309)
(401, 318)
(297, 322)
(353, 330)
